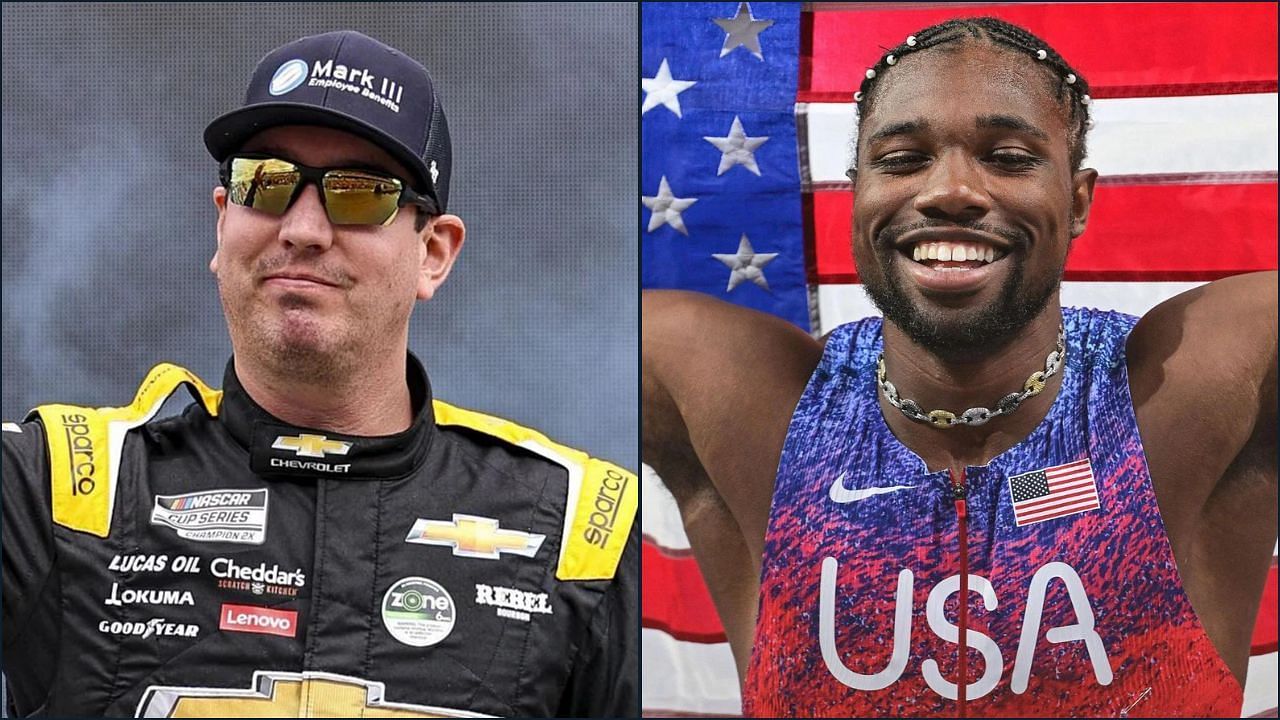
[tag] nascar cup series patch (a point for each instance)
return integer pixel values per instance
(230, 516)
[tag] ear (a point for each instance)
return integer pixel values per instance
(1081, 199)
(219, 202)
(441, 241)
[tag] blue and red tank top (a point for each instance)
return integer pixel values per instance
(1074, 606)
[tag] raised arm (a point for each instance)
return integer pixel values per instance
(719, 386)
(1202, 369)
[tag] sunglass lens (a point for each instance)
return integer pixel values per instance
(356, 198)
(263, 184)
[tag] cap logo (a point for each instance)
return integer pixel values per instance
(435, 172)
(288, 77)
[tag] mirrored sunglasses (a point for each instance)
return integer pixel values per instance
(350, 196)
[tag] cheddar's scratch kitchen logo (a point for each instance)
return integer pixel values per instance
(604, 512)
(231, 516)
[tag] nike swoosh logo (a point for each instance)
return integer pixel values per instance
(841, 494)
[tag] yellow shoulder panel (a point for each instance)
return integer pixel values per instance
(602, 501)
(84, 446)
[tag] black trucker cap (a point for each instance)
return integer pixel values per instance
(348, 81)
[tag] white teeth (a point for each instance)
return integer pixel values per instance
(955, 252)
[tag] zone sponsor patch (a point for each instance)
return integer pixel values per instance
(230, 516)
(254, 619)
(418, 611)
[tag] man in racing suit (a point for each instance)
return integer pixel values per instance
(321, 537)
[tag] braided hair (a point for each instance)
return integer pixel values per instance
(996, 32)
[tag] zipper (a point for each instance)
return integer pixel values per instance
(959, 491)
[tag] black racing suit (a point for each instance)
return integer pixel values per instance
(223, 563)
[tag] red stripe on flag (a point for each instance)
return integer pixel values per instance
(1217, 231)
(847, 42)
(1054, 501)
(675, 599)
(1264, 629)
(1062, 511)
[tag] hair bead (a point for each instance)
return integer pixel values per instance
(857, 97)
(1071, 79)
(911, 41)
(870, 73)
(1041, 54)
(890, 60)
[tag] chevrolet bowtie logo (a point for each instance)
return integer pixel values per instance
(316, 446)
(477, 537)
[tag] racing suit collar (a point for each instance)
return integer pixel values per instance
(277, 448)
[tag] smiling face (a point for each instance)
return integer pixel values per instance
(965, 202)
(303, 293)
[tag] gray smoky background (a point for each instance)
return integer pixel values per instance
(108, 222)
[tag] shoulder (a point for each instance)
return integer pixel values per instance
(601, 498)
(717, 361)
(83, 445)
(1215, 343)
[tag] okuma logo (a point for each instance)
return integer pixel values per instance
(288, 76)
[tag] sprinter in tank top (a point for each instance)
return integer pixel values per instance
(1084, 501)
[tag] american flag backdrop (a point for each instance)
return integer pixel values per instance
(746, 130)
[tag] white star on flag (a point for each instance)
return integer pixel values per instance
(737, 148)
(663, 90)
(742, 30)
(746, 264)
(666, 208)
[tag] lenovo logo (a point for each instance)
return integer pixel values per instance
(252, 619)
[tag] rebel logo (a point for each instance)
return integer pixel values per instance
(253, 619)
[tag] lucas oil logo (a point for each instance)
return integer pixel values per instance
(231, 516)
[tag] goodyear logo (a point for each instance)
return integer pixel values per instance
(473, 536)
(315, 446)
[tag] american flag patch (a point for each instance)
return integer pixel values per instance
(1053, 492)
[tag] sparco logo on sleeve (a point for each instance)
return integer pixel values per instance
(605, 509)
(231, 516)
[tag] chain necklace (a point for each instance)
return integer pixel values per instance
(977, 415)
